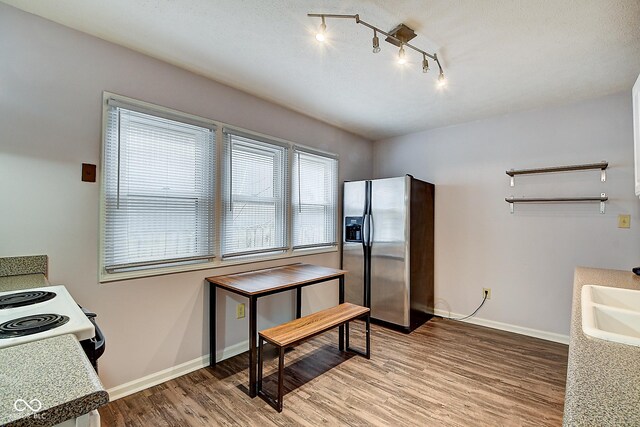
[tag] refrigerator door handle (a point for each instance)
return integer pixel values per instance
(365, 230)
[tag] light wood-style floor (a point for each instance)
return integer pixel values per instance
(445, 373)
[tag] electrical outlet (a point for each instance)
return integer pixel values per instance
(486, 291)
(624, 221)
(240, 311)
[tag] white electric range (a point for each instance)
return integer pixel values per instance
(38, 313)
(34, 314)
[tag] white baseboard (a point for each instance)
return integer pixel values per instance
(549, 336)
(159, 377)
(203, 361)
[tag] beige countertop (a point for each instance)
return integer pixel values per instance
(53, 377)
(22, 281)
(22, 265)
(603, 377)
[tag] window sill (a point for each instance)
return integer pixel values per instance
(217, 263)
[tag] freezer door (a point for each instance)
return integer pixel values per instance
(389, 250)
(354, 198)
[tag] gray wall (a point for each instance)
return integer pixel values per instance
(51, 83)
(527, 258)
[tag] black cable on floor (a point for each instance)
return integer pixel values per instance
(474, 312)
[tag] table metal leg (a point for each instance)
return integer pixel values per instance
(253, 333)
(341, 300)
(260, 363)
(298, 303)
(212, 325)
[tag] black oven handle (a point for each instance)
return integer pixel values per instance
(87, 313)
(99, 340)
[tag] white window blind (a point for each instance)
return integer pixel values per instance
(314, 196)
(254, 196)
(159, 189)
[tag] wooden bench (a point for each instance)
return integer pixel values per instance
(296, 331)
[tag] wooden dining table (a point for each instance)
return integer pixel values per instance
(259, 283)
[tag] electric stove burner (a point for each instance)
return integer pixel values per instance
(31, 325)
(21, 299)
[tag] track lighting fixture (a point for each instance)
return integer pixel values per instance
(376, 42)
(399, 36)
(320, 34)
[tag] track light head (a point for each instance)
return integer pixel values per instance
(376, 42)
(401, 56)
(425, 64)
(442, 81)
(320, 34)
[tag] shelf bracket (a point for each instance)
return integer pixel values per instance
(602, 196)
(603, 175)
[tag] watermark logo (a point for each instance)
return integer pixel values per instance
(22, 405)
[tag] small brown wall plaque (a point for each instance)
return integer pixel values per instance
(88, 172)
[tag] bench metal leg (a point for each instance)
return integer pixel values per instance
(346, 335)
(280, 379)
(275, 404)
(367, 352)
(368, 333)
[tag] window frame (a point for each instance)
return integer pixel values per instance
(281, 209)
(218, 261)
(297, 151)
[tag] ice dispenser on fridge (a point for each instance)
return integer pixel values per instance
(353, 228)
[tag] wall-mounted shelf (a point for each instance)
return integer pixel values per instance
(513, 200)
(603, 165)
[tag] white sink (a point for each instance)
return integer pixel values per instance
(611, 314)
(615, 297)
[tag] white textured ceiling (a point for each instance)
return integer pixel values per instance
(499, 55)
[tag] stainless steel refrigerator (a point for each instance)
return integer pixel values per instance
(387, 249)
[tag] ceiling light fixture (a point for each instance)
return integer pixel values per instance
(376, 42)
(320, 34)
(399, 36)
